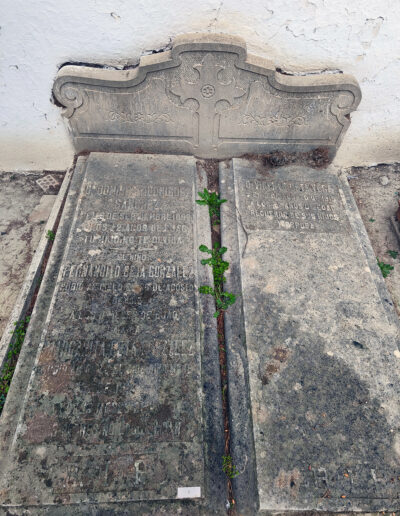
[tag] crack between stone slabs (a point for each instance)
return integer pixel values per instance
(244, 230)
(211, 168)
(23, 323)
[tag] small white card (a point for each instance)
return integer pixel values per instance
(189, 492)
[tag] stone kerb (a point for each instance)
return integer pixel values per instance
(207, 97)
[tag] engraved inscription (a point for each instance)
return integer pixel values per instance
(312, 206)
(120, 362)
(133, 118)
(299, 117)
(274, 120)
(354, 481)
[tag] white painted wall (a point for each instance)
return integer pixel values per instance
(361, 37)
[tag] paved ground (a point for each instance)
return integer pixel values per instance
(377, 191)
(25, 207)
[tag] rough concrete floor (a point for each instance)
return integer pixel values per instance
(377, 191)
(24, 209)
(25, 206)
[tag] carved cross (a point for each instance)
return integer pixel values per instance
(207, 91)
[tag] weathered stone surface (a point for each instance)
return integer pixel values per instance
(123, 404)
(315, 346)
(205, 97)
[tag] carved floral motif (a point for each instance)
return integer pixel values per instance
(205, 97)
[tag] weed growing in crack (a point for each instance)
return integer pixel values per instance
(385, 268)
(50, 235)
(212, 200)
(228, 467)
(11, 360)
(222, 299)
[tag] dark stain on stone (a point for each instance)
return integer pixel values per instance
(23, 456)
(278, 159)
(315, 158)
(211, 167)
(147, 295)
(269, 371)
(40, 428)
(280, 354)
(330, 425)
(357, 433)
(56, 378)
(358, 344)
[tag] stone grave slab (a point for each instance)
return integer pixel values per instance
(313, 357)
(208, 97)
(116, 402)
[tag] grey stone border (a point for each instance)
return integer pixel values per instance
(16, 395)
(396, 227)
(240, 418)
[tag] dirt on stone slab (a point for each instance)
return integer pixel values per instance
(316, 158)
(26, 200)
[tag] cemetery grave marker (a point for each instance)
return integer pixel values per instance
(116, 401)
(315, 348)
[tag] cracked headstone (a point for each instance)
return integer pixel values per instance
(316, 350)
(206, 97)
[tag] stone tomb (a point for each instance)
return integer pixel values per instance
(313, 358)
(123, 403)
(115, 407)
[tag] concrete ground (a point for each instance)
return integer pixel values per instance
(377, 192)
(26, 200)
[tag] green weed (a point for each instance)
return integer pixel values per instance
(228, 467)
(393, 254)
(385, 268)
(222, 299)
(50, 235)
(11, 359)
(212, 200)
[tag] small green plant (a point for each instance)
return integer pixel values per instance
(50, 235)
(11, 359)
(228, 467)
(222, 299)
(212, 200)
(372, 220)
(393, 254)
(385, 268)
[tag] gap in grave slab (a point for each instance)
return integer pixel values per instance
(211, 168)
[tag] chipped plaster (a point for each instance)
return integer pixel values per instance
(360, 38)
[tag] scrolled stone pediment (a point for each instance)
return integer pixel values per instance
(207, 97)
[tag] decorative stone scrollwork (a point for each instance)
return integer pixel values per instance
(205, 97)
(71, 97)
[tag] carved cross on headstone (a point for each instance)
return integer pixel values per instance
(206, 97)
(207, 91)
